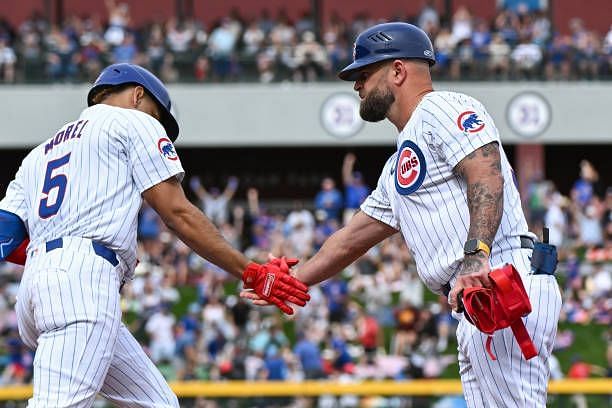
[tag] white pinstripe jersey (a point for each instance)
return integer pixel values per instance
(86, 180)
(419, 194)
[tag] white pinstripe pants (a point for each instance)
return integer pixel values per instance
(68, 310)
(511, 381)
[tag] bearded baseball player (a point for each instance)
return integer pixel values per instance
(76, 196)
(449, 190)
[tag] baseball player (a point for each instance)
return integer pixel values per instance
(77, 197)
(449, 190)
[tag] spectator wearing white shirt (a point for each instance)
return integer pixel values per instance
(300, 231)
(429, 19)
(526, 57)
(214, 313)
(160, 328)
(600, 283)
(589, 225)
(221, 45)
(118, 21)
(310, 59)
(253, 39)
(155, 48)
(606, 49)
(462, 25)
(555, 219)
(7, 61)
(499, 57)
(179, 36)
(283, 31)
(214, 203)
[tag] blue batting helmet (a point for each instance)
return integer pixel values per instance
(119, 74)
(388, 41)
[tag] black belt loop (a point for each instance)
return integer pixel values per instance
(526, 242)
(446, 289)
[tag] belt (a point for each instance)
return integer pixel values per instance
(526, 243)
(98, 248)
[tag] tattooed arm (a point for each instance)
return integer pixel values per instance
(481, 171)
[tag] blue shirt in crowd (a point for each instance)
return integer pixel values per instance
(309, 355)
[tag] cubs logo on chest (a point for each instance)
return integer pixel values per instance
(410, 168)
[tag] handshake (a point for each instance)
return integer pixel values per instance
(271, 283)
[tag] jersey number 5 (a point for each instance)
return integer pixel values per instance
(59, 182)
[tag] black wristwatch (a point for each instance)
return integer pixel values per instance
(472, 246)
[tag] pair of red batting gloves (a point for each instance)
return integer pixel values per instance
(273, 283)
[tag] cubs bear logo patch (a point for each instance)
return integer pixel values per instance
(166, 148)
(469, 122)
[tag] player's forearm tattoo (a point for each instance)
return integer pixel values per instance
(485, 196)
(473, 263)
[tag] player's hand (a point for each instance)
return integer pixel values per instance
(249, 294)
(272, 283)
(285, 265)
(474, 272)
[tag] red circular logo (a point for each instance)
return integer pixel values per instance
(469, 122)
(166, 148)
(410, 168)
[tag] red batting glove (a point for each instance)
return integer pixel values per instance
(272, 282)
(18, 256)
(285, 264)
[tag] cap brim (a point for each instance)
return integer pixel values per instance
(351, 71)
(170, 125)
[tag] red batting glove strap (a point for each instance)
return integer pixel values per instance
(249, 275)
(18, 256)
(503, 306)
(258, 278)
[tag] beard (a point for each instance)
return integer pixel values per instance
(375, 106)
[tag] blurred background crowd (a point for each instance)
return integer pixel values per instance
(376, 320)
(517, 43)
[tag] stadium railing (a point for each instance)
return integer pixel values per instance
(236, 389)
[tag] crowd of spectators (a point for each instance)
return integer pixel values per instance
(516, 44)
(581, 226)
(374, 321)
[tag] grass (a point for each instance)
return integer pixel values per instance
(589, 344)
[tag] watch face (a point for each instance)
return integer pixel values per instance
(470, 246)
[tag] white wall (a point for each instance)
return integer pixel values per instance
(291, 115)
